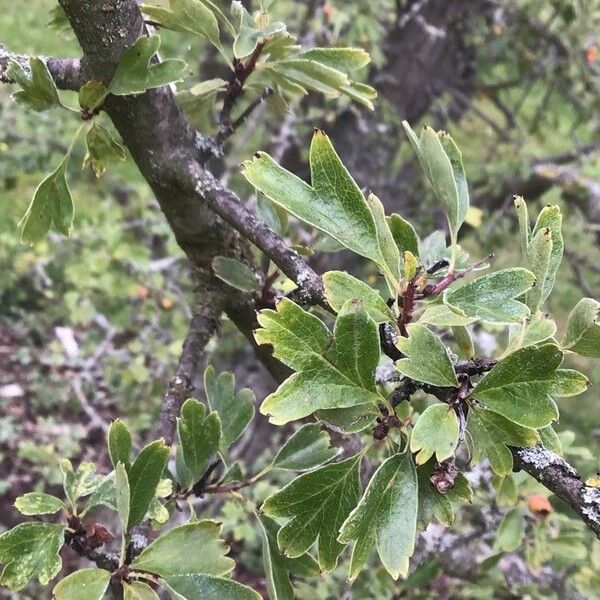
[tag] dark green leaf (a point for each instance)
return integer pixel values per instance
(404, 234)
(306, 448)
(92, 95)
(119, 443)
(102, 149)
(207, 587)
(235, 273)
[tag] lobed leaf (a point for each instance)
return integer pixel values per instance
(306, 448)
(436, 432)
(583, 329)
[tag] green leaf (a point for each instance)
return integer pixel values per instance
(349, 420)
(236, 410)
(491, 433)
(567, 383)
(119, 443)
(277, 566)
(463, 340)
(176, 552)
(550, 439)
(38, 88)
(28, 550)
(441, 161)
(334, 204)
(135, 74)
(426, 357)
(538, 261)
(490, 298)
(102, 149)
(317, 504)
(341, 287)
(302, 341)
(436, 431)
(432, 504)
(38, 503)
(186, 15)
(550, 219)
(199, 435)
(583, 329)
(144, 475)
(524, 225)
(518, 386)
(538, 328)
(306, 448)
(511, 531)
(207, 587)
(122, 496)
(51, 206)
(79, 483)
(235, 273)
(86, 584)
(104, 494)
(404, 234)
(386, 516)
(137, 590)
(92, 95)
(440, 315)
(342, 59)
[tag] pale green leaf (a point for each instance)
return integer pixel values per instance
(102, 149)
(38, 88)
(341, 286)
(538, 261)
(538, 328)
(518, 387)
(491, 433)
(568, 382)
(491, 298)
(86, 584)
(235, 273)
(550, 439)
(524, 225)
(122, 495)
(436, 432)
(78, 483)
(30, 550)
(138, 590)
(144, 476)
(176, 552)
(119, 443)
(583, 329)
(199, 435)
(550, 218)
(92, 95)
(207, 587)
(38, 503)
(510, 534)
(317, 504)
(342, 59)
(426, 359)
(440, 315)
(386, 516)
(306, 448)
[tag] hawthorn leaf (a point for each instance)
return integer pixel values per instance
(404, 234)
(583, 329)
(334, 204)
(342, 59)
(356, 349)
(436, 432)
(533, 331)
(119, 443)
(102, 149)
(491, 298)
(432, 504)
(135, 74)
(317, 503)
(138, 590)
(510, 533)
(426, 359)
(312, 75)
(538, 261)
(176, 551)
(524, 225)
(550, 219)
(568, 382)
(386, 517)
(341, 287)
(207, 587)
(104, 494)
(518, 387)
(235, 273)
(301, 341)
(122, 495)
(491, 433)
(38, 503)
(86, 584)
(550, 439)
(349, 420)
(199, 435)
(464, 341)
(51, 206)
(441, 315)
(306, 448)
(144, 476)
(92, 95)
(278, 567)
(236, 410)
(38, 88)
(78, 483)
(28, 550)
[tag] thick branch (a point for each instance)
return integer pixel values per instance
(65, 71)
(562, 479)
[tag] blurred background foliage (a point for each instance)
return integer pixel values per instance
(91, 325)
